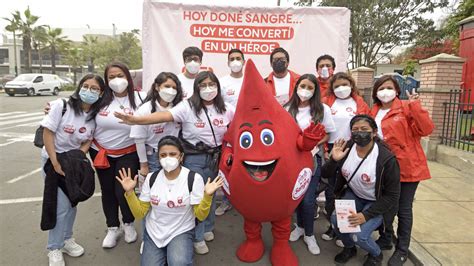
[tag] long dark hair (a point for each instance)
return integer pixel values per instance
(109, 94)
(372, 124)
(75, 100)
(342, 75)
(379, 83)
(196, 102)
(316, 107)
(153, 94)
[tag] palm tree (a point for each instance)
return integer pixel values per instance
(55, 43)
(39, 42)
(26, 29)
(90, 50)
(75, 59)
(13, 27)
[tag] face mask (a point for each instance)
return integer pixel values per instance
(208, 94)
(361, 138)
(386, 95)
(118, 85)
(169, 163)
(304, 94)
(325, 72)
(236, 66)
(88, 96)
(167, 94)
(342, 92)
(193, 67)
(279, 66)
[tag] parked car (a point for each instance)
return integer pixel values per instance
(33, 84)
(6, 78)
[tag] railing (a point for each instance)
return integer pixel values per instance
(458, 130)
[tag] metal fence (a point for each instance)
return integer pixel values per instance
(458, 130)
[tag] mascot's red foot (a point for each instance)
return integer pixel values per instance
(251, 250)
(282, 254)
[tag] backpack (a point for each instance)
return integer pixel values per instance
(191, 175)
(38, 141)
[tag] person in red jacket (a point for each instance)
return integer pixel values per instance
(345, 103)
(401, 124)
(325, 66)
(281, 81)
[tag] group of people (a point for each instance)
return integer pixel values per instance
(164, 147)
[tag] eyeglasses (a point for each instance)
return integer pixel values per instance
(205, 85)
(92, 89)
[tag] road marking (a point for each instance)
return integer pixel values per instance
(34, 124)
(9, 122)
(11, 181)
(32, 199)
(19, 116)
(18, 137)
(11, 113)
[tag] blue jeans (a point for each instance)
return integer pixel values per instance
(199, 163)
(305, 210)
(363, 239)
(178, 252)
(65, 217)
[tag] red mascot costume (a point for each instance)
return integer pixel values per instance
(267, 166)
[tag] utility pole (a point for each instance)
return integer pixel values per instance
(278, 2)
(114, 31)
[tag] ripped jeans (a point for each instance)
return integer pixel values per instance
(362, 239)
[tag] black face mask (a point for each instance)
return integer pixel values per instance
(279, 66)
(361, 138)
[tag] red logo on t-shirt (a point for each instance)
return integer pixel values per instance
(158, 129)
(180, 200)
(345, 173)
(155, 200)
(349, 110)
(82, 130)
(333, 111)
(69, 129)
(170, 204)
(199, 124)
(230, 92)
(104, 113)
(365, 178)
(127, 111)
(218, 122)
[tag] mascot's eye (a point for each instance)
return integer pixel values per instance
(267, 137)
(246, 140)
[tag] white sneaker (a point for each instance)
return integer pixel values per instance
(209, 236)
(296, 233)
(130, 233)
(312, 245)
(141, 248)
(110, 240)
(225, 206)
(72, 248)
(339, 243)
(321, 197)
(56, 258)
(201, 248)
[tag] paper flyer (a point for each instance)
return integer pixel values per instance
(343, 208)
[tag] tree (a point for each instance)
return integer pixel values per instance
(450, 27)
(25, 26)
(377, 27)
(39, 41)
(55, 43)
(75, 59)
(13, 27)
(125, 48)
(90, 50)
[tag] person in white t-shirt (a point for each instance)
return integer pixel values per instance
(171, 205)
(204, 120)
(232, 83)
(113, 149)
(64, 132)
(305, 107)
(281, 80)
(192, 57)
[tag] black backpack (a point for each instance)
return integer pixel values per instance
(191, 175)
(38, 141)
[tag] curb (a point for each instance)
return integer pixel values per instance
(420, 256)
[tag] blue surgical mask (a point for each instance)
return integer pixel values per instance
(88, 96)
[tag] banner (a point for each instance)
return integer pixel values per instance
(306, 33)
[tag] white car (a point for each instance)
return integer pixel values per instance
(33, 84)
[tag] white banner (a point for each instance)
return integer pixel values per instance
(306, 33)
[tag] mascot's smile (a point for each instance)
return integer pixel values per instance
(260, 171)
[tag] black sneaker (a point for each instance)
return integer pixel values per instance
(345, 255)
(374, 261)
(384, 244)
(397, 259)
(329, 234)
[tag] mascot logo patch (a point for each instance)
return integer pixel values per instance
(302, 183)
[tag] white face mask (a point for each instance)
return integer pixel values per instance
(236, 66)
(304, 94)
(325, 73)
(118, 85)
(167, 94)
(169, 163)
(193, 67)
(209, 93)
(386, 95)
(342, 92)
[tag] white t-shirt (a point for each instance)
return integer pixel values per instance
(171, 212)
(230, 88)
(197, 129)
(342, 112)
(282, 88)
(70, 130)
(187, 84)
(378, 119)
(363, 182)
(304, 118)
(109, 133)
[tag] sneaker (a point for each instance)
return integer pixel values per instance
(110, 240)
(209, 236)
(130, 233)
(397, 259)
(225, 206)
(141, 248)
(201, 248)
(339, 243)
(321, 197)
(345, 255)
(296, 233)
(72, 248)
(329, 234)
(316, 213)
(325, 212)
(383, 244)
(56, 258)
(373, 261)
(312, 245)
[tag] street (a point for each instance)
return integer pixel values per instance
(21, 188)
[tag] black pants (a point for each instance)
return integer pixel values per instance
(329, 192)
(112, 191)
(405, 218)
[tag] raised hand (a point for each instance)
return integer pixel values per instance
(412, 96)
(125, 179)
(315, 131)
(339, 150)
(126, 119)
(211, 187)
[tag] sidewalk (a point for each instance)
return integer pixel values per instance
(443, 218)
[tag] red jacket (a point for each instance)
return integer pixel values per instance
(293, 79)
(402, 128)
(323, 86)
(362, 107)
